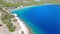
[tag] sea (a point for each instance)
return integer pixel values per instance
(41, 19)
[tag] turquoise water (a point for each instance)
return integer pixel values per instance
(44, 19)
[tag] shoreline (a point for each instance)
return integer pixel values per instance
(22, 25)
(22, 7)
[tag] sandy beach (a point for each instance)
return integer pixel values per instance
(22, 25)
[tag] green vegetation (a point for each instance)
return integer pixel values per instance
(14, 20)
(6, 20)
(27, 3)
(6, 17)
(22, 32)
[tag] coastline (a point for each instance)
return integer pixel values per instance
(21, 7)
(23, 26)
(19, 22)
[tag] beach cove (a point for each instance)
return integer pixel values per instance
(41, 19)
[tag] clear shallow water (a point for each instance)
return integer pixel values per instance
(43, 19)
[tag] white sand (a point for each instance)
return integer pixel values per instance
(22, 25)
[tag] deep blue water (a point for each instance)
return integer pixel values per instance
(43, 19)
